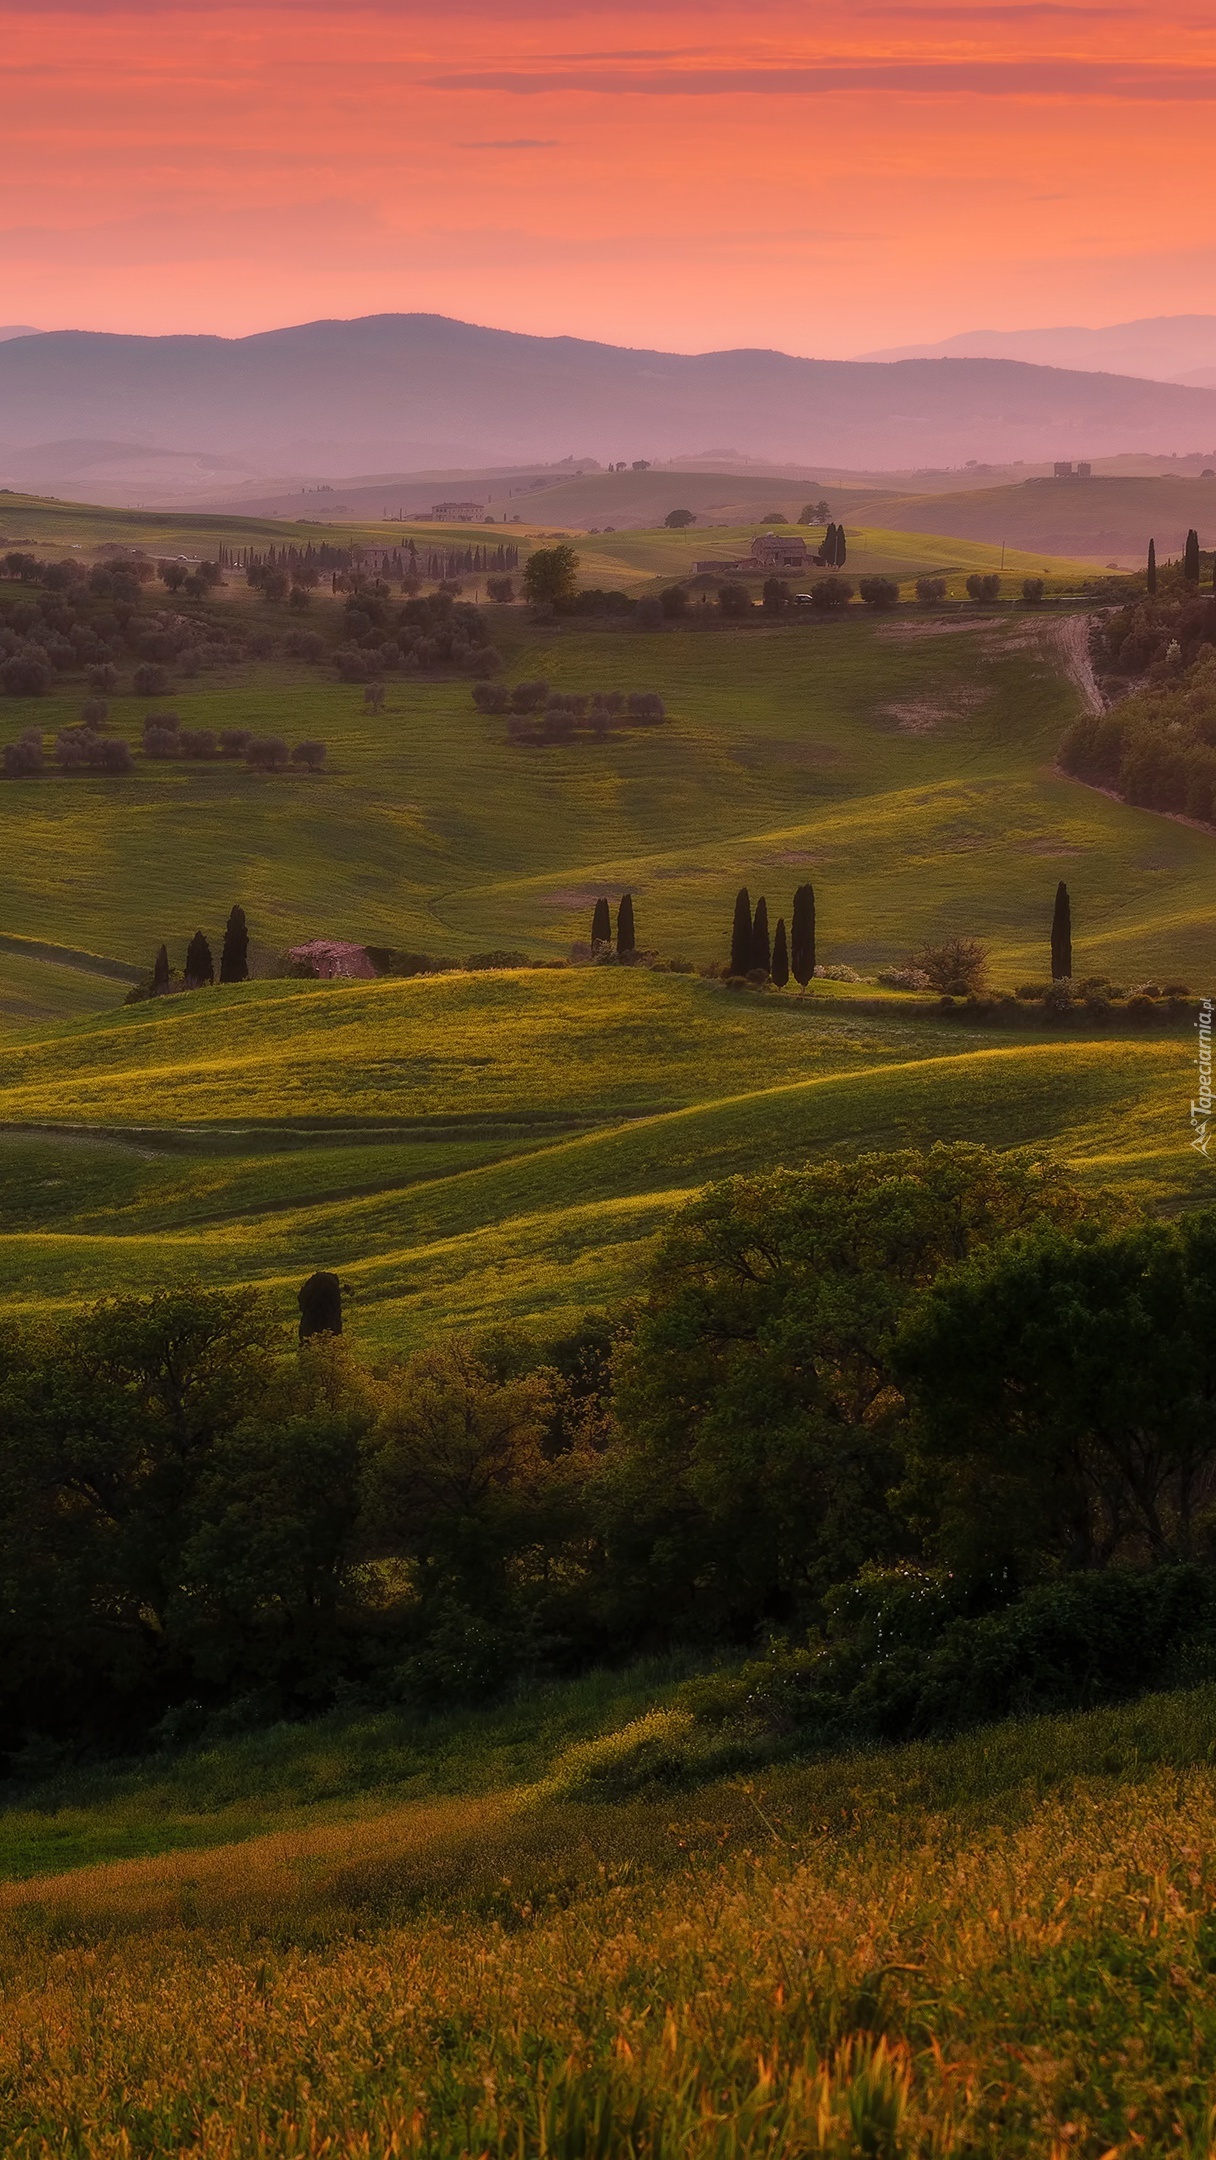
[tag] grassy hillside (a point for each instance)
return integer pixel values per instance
(472, 1147)
(910, 774)
(994, 1946)
(467, 1150)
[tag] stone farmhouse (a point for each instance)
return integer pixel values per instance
(769, 551)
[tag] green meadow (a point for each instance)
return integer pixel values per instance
(473, 1147)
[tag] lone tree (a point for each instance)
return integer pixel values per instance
(601, 924)
(1190, 558)
(781, 960)
(678, 519)
(802, 936)
(200, 967)
(625, 942)
(320, 1303)
(1152, 566)
(550, 574)
(1061, 936)
(160, 972)
(234, 959)
(741, 933)
(761, 954)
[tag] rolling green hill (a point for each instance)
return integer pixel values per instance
(470, 1146)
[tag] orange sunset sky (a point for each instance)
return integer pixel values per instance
(820, 179)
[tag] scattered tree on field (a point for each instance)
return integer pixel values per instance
(677, 519)
(625, 938)
(761, 956)
(776, 596)
(501, 589)
(174, 575)
(320, 1303)
(160, 972)
(831, 592)
(200, 967)
(311, 754)
(958, 966)
(983, 587)
(601, 923)
(234, 958)
(551, 574)
(741, 933)
(781, 960)
(1152, 566)
(931, 590)
(732, 600)
(1032, 590)
(802, 936)
(881, 593)
(1061, 936)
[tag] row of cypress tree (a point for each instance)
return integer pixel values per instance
(1191, 566)
(601, 925)
(199, 968)
(753, 951)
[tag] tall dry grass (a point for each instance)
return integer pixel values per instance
(819, 1964)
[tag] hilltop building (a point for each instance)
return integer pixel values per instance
(1065, 471)
(769, 551)
(454, 513)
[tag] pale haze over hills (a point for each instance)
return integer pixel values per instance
(1163, 348)
(400, 391)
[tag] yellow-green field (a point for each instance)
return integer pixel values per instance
(469, 1147)
(994, 1949)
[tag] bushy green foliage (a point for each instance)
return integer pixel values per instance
(1158, 747)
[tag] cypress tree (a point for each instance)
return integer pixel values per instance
(841, 550)
(781, 963)
(1061, 936)
(741, 933)
(802, 936)
(1152, 566)
(624, 926)
(234, 959)
(200, 967)
(160, 972)
(1190, 558)
(601, 924)
(761, 953)
(827, 552)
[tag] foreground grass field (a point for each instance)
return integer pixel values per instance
(996, 1946)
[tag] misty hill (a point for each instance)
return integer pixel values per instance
(1165, 348)
(329, 390)
(1101, 517)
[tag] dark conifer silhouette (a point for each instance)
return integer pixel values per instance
(1190, 558)
(1152, 566)
(827, 553)
(761, 953)
(841, 550)
(625, 941)
(320, 1303)
(1061, 936)
(781, 958)
(802, 936)
(741, 933)
(160, 972)
(601, 924)
(200, 967)
(234, 959)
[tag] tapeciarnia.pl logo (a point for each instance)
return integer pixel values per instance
(1201, 1110)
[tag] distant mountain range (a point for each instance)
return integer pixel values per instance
(395, 391)
(1163, 348)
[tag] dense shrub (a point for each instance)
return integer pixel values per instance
(311, 755)
(879, 592)
(25, 675)
(958, 965)
(1156, 748)
(25, 755)
(830, 593)
(931, 590)
(78, 749)
(734, 600)
(983, 586)
(150, 680)
(267, 753)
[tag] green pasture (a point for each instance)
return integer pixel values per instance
(910, 775)
(473, 1147)
(622, 558)
(468, 1150)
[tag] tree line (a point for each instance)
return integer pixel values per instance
(955, 1370)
